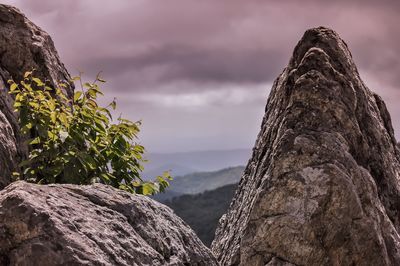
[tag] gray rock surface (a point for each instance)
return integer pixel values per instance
(323, 184)
(92, 225)
(23, 47)
(8, 151)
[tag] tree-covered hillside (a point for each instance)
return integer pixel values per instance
(203, 211)
(199, 182)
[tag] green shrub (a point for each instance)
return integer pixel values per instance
(74, 140)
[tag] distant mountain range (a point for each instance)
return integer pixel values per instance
(189, 162)
(203, 211)
(200, 198)
(199, 182)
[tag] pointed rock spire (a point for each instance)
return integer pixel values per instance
(323, 184)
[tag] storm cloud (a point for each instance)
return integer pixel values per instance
(196, 70)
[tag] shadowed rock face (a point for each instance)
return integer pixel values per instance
(23, 47)
(92, 225)
(323, 184)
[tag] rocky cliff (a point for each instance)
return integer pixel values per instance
(92, 225)
(323, 184)
(23, 47)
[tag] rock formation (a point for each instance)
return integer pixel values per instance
(70, 224)
(23, 47)
(92, 225)
(323, 184)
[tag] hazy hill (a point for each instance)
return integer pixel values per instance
(199, 161)
(175, 170)
(199, 182)
(203, 211)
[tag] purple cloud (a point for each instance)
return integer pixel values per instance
(187, 50)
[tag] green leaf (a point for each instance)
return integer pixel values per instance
(51, 135)
(38, 81)
(77, 95)
(88, 85)
(29, 125)
(34, 104)
(53, 117)
(16, 175)
(13, 87)
(27, 74)
(35, 141)
(148, 189)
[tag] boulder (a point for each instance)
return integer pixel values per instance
(23, 47)
(92, 225)
(323, 184)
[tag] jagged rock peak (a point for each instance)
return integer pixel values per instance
(23, 47)
(328, 41)
(323, 184)
(92, 225)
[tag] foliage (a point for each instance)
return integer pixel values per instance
(74, 140)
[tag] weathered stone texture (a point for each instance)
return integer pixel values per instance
(323, 184)
(92, 225)
(8, 151)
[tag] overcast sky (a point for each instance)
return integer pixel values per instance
(198, 72)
